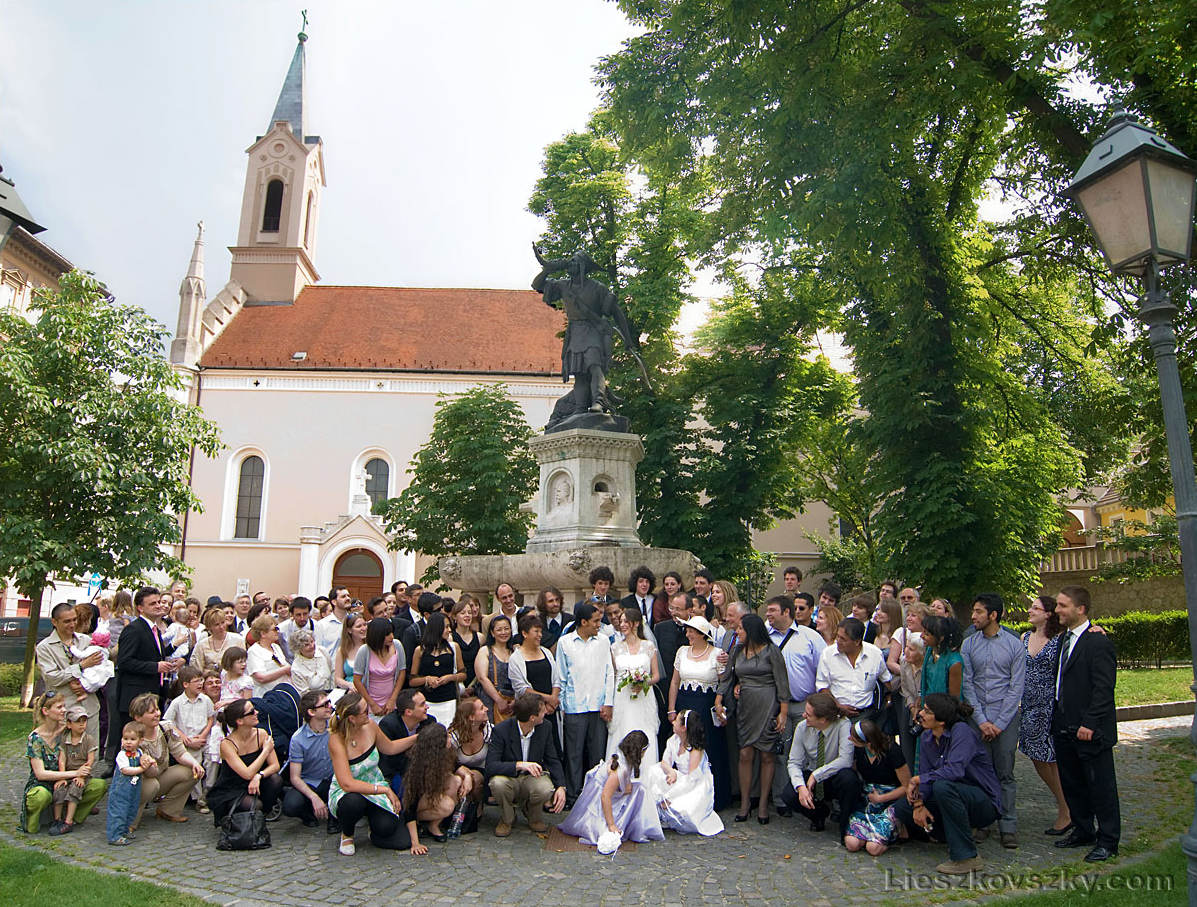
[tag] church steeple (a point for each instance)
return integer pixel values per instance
(291, 100)
(185, 350)
(276, 243)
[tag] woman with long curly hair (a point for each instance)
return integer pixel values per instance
(433, 784)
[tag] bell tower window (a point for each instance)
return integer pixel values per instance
(272, 214)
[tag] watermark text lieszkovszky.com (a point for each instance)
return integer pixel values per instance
(907, 880)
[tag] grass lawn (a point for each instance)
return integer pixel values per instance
(1138, 686)
(15, 722)
(1158, 880)
(33, 878)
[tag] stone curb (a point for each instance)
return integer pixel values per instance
(1155, 710)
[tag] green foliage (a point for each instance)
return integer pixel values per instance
(856, 142)
(1153, 549)
(848, 562)
(759, 399)
(1142, 637)
(468, 481)
(755, 572)
(1149, 638)
(94, 471)
(11, 677)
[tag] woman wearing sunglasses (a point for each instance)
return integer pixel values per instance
(249, 765)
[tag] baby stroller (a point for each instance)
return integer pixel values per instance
(278, 715)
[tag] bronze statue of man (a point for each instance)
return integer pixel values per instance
(590, 308)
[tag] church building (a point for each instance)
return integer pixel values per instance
(324, 393)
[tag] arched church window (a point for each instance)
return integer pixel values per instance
(249, 498)
(307, 222)
(273, 213)
(378, 479)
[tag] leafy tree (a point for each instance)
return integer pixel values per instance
(468, 481)
(94, 468)
(855, 140)
(760, 397)
(1151, 549)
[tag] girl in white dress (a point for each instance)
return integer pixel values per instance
(682, 782)
(635, 703)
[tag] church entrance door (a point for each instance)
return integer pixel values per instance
(360, 571)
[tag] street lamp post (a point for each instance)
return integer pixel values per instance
(13, 212)
(1137, 192)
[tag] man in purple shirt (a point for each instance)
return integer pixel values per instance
(957, 789)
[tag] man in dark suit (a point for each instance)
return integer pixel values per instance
(523, 766)
(640, 593)
(1085, 728)
(556, 621)
(670, 636)
(141, 662)
(426, 603)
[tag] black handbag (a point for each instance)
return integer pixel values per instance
(244, 829)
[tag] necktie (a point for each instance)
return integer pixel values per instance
(1068, 638)
(158, 642)
(820, 761)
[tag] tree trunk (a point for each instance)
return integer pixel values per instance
(31, 641)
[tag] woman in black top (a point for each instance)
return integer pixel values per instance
(437, 668)
(468, 641)
(885, 774)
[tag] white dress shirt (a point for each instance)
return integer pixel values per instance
(851, 685)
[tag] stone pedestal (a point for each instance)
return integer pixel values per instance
(567, 569)
(587, 490)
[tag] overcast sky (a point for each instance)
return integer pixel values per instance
(122, 124)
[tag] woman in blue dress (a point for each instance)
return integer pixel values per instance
(1042, 642)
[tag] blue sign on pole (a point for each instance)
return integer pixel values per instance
(94, 583)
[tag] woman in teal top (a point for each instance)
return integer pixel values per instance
(943, 668)
(358, 789)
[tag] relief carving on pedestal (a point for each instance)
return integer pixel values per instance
(561, 491)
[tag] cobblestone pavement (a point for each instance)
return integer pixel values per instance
(782, 862)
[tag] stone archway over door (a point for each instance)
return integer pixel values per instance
(359, 570)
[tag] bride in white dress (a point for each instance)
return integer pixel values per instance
(635, 706)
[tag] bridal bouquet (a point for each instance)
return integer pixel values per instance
(639, 680)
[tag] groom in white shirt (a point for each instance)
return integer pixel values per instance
(587, 695)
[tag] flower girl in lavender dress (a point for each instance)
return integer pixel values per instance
(614, 800)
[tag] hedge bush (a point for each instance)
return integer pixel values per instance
(10, 679)
(1144, 638)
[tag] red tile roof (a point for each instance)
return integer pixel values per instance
(396, 328)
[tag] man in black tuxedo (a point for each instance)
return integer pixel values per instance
(1085, 728)
(523, 766)
(640, 593)
(670, 636)
(141, 662)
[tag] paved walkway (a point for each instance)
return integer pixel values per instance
(780, 863)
